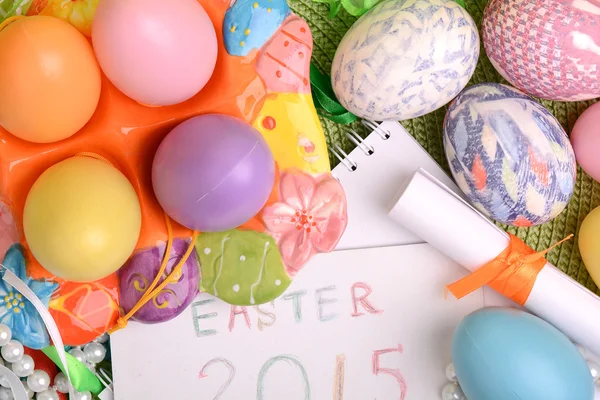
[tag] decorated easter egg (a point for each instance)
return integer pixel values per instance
(49, 77)
(585, 138)
(141, 270)
(589, 243)
(84, 311)
(405, 58)
(509, 155)
(546, 48)
(508, 354)
(213, 173)
(82, 219)
(241, 267)
(158, 52)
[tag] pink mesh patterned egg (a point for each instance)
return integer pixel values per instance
(547, 48)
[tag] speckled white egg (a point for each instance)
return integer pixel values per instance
(405, 58)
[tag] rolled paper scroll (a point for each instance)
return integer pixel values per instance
(440, 217)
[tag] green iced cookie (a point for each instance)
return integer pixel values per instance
(241, 267)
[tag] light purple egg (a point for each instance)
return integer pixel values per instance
(213, 173)
(139, 273)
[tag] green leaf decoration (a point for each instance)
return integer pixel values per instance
(243, 268)
(11, 8)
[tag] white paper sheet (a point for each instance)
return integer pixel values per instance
(448, 223)
(367, 324)
(371, 187)
(371, 190)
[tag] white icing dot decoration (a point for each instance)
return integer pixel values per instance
(277, 282)
(236, 288)
(242, 258)
(207, 251)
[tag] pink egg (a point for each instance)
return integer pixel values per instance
(586, 141)
(546, 48)
(158, 52)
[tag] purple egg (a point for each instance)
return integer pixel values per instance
(213, 173)
(139, 273)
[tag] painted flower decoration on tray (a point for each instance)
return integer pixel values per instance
(310, 217)
(16, 311)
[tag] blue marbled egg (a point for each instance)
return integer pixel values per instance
(405, 58)
(508, 354)
(509, 155)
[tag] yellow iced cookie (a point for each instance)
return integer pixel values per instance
(289, 123)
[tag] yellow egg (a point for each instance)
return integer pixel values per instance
(82, 219)
(589, 244)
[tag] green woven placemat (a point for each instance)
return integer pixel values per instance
(428, 131)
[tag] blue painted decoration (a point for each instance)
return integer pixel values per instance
(249, 24)
(16, 311)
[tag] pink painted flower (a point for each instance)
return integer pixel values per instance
(310, 217)
(8, 230)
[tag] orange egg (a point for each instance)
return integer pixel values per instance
(49, 79)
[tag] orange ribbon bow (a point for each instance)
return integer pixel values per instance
(512, 273)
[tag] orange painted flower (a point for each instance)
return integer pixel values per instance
(84, 311)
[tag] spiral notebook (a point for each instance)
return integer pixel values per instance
(371, 175)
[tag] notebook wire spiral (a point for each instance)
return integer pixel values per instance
(360, 143)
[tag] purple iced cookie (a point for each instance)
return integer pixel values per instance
(141, 269)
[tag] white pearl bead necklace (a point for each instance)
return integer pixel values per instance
(37, 382)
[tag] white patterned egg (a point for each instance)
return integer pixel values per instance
(405, 58)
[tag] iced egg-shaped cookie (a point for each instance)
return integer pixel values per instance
(509, 155)
(140, 271)
(241, 267)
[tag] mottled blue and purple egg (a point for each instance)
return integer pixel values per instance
(141, 270)
(509, 155)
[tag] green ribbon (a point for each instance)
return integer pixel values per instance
(356, 7)
(324, 99)
(82, 379)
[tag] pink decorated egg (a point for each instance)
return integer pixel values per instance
(585, 138)
(547, 48)
(158, 52)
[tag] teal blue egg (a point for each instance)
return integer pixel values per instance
(508, 354)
